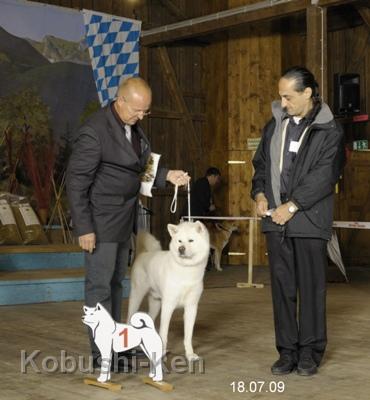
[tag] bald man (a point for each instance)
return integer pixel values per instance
(109, 153)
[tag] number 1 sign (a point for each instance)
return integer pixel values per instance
(110, 335)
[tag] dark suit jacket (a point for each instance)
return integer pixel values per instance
(103, 178)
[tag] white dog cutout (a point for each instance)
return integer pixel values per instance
(110, 335)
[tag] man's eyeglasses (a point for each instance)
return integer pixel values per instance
(135, 111)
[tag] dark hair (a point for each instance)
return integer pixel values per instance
(303, 79)
(213, 171)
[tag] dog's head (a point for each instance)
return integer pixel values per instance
(94, 315)
(189, 242)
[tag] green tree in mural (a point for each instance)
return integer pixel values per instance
(89, 109)
(25, 124)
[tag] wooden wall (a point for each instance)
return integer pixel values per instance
(195, 64)
(129, 9)
(349, 51)
(228, 81)
(257, 56)
(254, 55)
(215, 83)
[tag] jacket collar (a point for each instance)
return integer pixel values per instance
(117, 131)
(324, 117)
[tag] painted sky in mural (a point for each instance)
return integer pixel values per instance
(34, 20)
(43, 47)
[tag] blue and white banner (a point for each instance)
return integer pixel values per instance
(113, 45)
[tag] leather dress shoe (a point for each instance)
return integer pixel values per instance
(123, 361)
(306, 364)
(135, 352)
(284, 365)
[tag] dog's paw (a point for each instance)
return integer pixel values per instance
(219, 269)
(151, 374)
(192, 357)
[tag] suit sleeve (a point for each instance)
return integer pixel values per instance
(160, 178)
(82, 166)
(321, 179)
(259, 164)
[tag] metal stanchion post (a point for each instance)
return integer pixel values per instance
(250, 283)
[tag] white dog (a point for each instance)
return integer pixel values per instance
(173, 278)
(109, 335)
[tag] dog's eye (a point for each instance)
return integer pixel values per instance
(191, 240)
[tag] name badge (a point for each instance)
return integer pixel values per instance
(294, 146)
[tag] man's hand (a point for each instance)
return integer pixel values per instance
(281, 215)
(261, 204)
(87, 242)
(178, 177)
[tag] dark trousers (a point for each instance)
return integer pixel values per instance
(298, 272)
(105, 271)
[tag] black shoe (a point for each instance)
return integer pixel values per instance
(306, 364)
(135, 352)
(284, 365)
(96, 363)
(121, 363)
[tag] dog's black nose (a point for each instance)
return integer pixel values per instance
(182, 250)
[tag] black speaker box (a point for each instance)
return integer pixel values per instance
(346, 94)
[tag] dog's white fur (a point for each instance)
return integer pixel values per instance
(109, 335)
(173, 278)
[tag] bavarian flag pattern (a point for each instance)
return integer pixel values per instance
(113, 44)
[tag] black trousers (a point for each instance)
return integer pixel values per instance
(298, 282)
(105, 271)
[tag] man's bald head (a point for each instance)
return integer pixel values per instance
(134, 98)
(134, 86)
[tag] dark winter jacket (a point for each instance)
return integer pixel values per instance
(103, 178)
(314, 173)
(200, 197)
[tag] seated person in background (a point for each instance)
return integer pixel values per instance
(201, 200)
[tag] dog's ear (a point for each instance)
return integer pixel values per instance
(172, 229)
(98, 306)
(199, 227)
(86, 309)
(218, 226)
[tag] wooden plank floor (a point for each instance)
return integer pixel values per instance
(234, 335)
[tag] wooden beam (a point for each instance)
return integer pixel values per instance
(169, 114)
(332, 3)
(198, 26)
(316, 46)
(365, 14)
(195, 95)
(176, 92)
(173, 9)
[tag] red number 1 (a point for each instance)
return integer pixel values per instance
(125, 337)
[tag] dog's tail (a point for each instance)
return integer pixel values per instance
(141, 320)
(146, 242)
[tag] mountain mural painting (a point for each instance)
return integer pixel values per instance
(58, 70)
